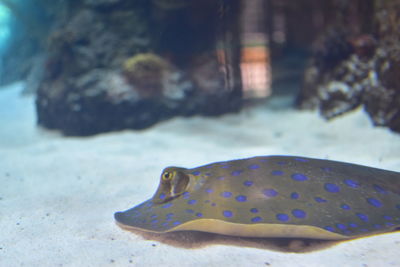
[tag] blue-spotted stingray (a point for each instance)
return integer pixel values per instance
(272, 196)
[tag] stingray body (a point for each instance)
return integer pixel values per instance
(272, 196)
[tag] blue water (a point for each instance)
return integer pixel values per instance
(5, 30)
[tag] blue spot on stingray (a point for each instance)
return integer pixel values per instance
(253, 167)
(341, 226)
(176, 223)
(331, 188)
(153, 216)
(199, 214)
(351, 183)
(247, 183)
(190, 211)
(377, 226)
(192, 201)
(270, 192)
(299, 177)
(221, 178)
(299, 213)
(263, 160)
(345, 207)
(196, 173)
(398, 206)
(320, 200)
(213, 204)
(301, 159)
(236, 173)
(329, 228)
(227, 213)
(164, 224)
(256, 219)
(277, 173)
(226, 194)
(149, 204)
(241, 198)
(154, 221)
(209, 190)
(162, 196)
(362, 217)
(166, 206)
(374, 202)
(208, 174)
(353, 225)
(282, 217)
(254, 210)
(282, 163)
(386, 217)
(294, 195)
(226, 166)
(379, 189)
(186, 195)
(389, 224)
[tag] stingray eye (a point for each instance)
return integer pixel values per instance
(167, 176)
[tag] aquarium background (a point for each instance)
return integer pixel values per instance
(98, 96)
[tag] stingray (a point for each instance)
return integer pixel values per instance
(272, 196)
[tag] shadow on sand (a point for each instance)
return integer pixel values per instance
(195, 240)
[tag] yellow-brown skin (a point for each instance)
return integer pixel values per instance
(255, 198)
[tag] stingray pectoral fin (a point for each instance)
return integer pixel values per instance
(139, 218)
(258, 230)
(234, 229)
(273, 196)
(122, 219)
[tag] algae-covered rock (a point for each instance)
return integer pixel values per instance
(366, 73)
(109, 68)
(147, 72)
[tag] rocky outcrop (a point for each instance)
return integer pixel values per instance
(106, 70)
(350, 69)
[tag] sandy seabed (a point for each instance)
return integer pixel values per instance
(58, 194)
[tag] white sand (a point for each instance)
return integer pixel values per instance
(58, 194)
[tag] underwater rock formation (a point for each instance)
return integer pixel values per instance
(109, 71)
(363, 70)
(101, 101)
